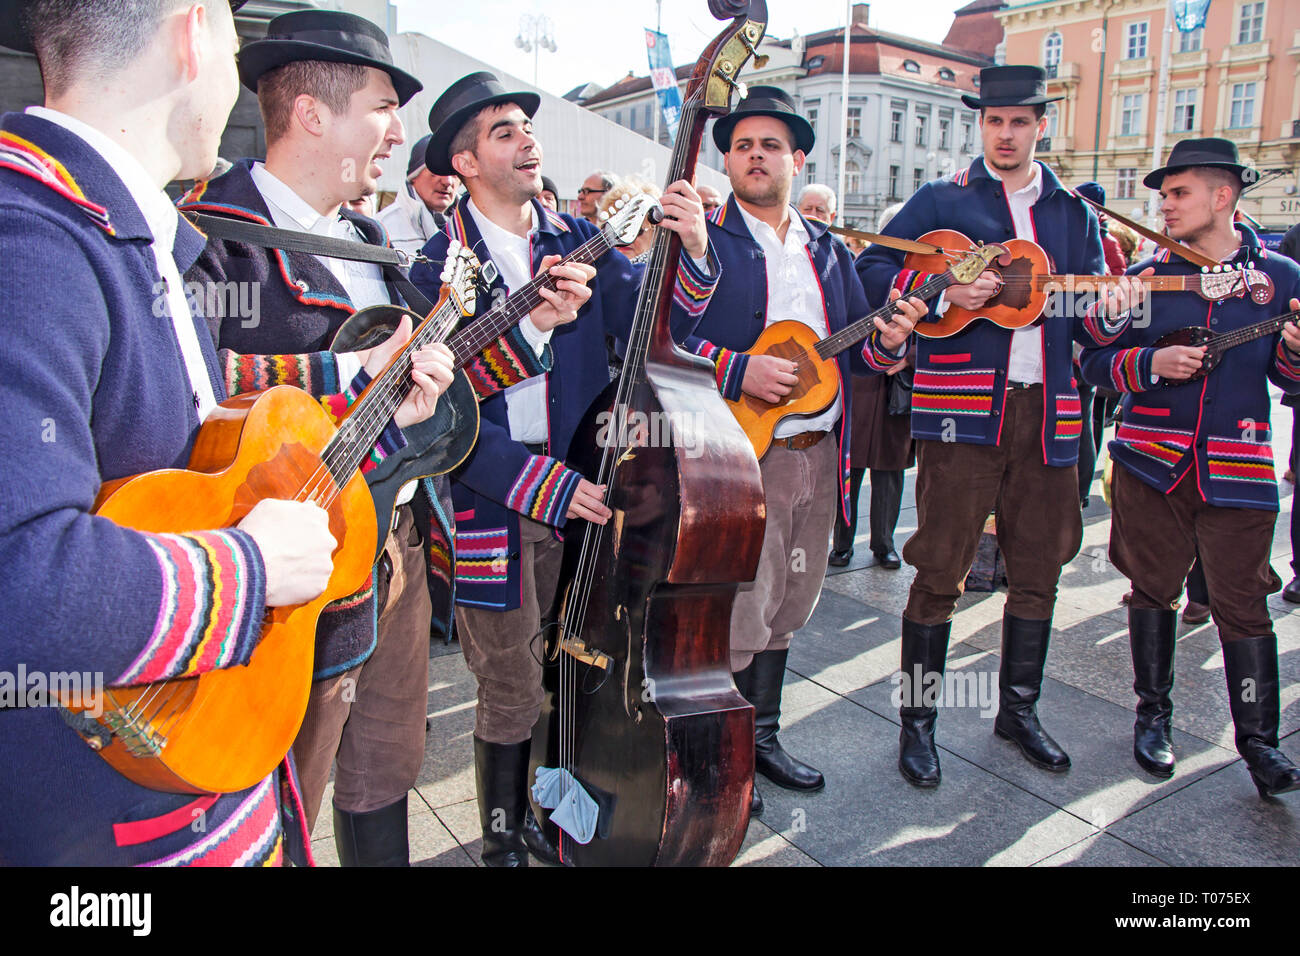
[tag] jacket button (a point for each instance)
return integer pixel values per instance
(302, 285)
(995, 413)
(1173, 474)
(514, 555)
(758, 314)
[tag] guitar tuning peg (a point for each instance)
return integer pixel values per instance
(604, 217)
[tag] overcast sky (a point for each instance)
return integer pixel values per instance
(600, 40)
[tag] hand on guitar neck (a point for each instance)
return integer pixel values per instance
(570, 294)
(431, 372)
(1178, 363)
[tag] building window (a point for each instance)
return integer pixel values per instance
(852, 179)
(1052, 53)
(967, 136)
(855, 123)
(1250, 29)
(1190, 42)
(945, 132)
(922, 129)
(1130, 115)
(1243, 106)
(1126, 187)
(1053, 117)
(896, 126)
(1184, 111)
(811, 116)
(810, 172)
(918, 179)
(911, 66)
(947, 74)
(1136, 48)
(894, 172)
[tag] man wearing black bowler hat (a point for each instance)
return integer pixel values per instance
(514, 491)
(778, 266)
(329, 94)
(996, 417)
(1194, 464)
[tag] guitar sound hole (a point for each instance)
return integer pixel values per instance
(1018, 276)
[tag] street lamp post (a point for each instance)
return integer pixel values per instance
(535, 35)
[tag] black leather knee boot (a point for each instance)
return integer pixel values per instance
(1024, 651)
(1151, 637)
(1256, 702)
(744, 684)
(376, 838)
(766, 676)
(925, 652)
(510, 831)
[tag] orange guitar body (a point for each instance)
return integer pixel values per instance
(1015, 306)
(227, 729)
(819, 382)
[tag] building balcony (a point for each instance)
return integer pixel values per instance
(1191, 60)
(1055, 144)
(1245, 52)
(1295, 130)
(1064, 73)
(857, 199)
(1240, 134)
(1135, 67)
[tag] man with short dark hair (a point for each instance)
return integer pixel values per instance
(514, 492)
(778, 265)
(996, 417)
(1194, 466)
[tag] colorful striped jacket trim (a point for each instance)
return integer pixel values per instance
(506, 362)
(966, 392)
(1130, 370)
(482, 556)
(251, 836)
(30, 160)
(313, 372)
(1069, 416)
(1230, 459)
(543, 489)
(336, 406)
(1167, 446)
(728, 366)
(1288, 363)
(213, 587)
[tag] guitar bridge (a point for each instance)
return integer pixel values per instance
(579, 651)
(140, 739)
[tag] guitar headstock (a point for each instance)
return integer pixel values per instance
(622, 224)
(977, 262)
(719, 68)
(460, 276)
(1223, 282)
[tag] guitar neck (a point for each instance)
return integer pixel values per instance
(1228, 340)
(849, 335)
(472, 339)
(1154, 283)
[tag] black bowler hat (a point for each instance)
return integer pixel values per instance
(765, 101)
(461, 101)
(326, 35)
(1212, 151)
(1011, 86)
(13, 34)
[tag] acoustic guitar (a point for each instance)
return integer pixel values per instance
(225, 730)
(1027, 280)
(814, 359)
(439, 444)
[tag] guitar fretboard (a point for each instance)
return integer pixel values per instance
(859, 330)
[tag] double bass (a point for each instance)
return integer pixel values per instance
(642, 720)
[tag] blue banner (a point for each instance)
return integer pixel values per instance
(664, 78)
(1190, 15)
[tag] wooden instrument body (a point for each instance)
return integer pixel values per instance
(818, 385)
(1016, 305)
(664, 741)
(1193, 335)
(227, 729)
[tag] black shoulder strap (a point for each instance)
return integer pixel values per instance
(392, 260)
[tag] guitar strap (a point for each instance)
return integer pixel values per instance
(1177, 248)
(392, 261)
(891, 242)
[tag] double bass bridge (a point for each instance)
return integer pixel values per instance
(582, 652)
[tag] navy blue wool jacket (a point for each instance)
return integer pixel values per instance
(737, 313)
(1214, 432)
(960, 385)
(94, 388)
(501, 479)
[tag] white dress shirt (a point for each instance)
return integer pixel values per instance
(526, 401)
(793, 293)
(162, 219)
(1026, 363)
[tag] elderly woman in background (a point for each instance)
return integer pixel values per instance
(882, 433)
(639, 250)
